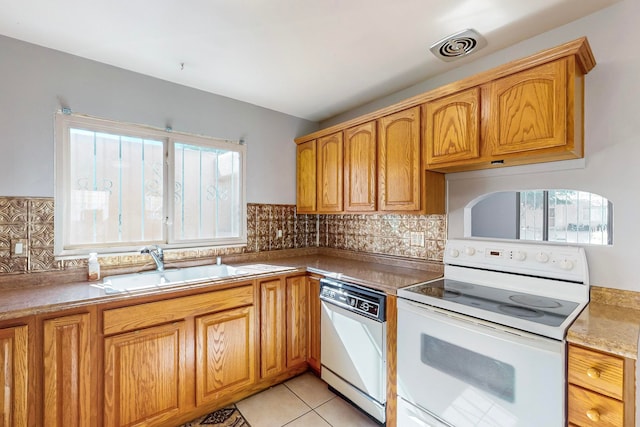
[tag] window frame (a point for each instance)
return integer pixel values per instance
(62, 214)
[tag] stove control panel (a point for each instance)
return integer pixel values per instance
(552, 261)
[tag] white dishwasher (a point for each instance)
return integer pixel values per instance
(353, 344)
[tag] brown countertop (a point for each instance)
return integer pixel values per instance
(610, 322)
(375, 272)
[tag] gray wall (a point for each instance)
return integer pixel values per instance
(496, 216)
(612, 138)
(36, 81)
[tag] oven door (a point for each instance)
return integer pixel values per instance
(467, 372)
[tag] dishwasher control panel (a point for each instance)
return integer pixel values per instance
(353, 298)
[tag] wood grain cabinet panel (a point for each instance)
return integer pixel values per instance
(14, 376)
(67, 371)
(306, 177)
(452, 128)
(272, 327)
(601, 389)
(296, 328)
(145, 376)
(225, 355)
(360, 168)
(528, 110)
(329, 173)
(313, 331)
(399, 161)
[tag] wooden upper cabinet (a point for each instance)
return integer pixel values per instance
(528, 110)
(360, 168)
(306, 177)
(452, 128)
(329, 173)
(14, 376)
(67, 371)
(399, 161)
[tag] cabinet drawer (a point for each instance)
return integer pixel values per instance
(596, 371)
(587, 408)
(153, 313)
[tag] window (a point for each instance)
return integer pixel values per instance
(120, 186)
(552, 215)
(565, 216)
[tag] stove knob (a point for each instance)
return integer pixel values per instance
(454, 253)
(469, 251)
(566, 264)
(519, 256)
(542, 257)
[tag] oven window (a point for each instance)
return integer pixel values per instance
(485, 373)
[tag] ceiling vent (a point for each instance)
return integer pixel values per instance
(458, 45)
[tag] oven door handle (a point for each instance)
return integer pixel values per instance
(481, 326)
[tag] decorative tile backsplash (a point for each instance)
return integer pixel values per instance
(30, 220)
(269, 227)
(412, 236)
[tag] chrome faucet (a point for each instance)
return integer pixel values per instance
(156, 253)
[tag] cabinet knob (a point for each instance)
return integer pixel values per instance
(593, 373)
(593, 415)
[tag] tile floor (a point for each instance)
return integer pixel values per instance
(303, 401)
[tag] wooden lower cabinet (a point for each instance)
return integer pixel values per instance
(601, 389)
(272, 327)
(169, 361)
(225, 354)
(14, 376)
(67, 371)
(296, 320)
(283, 324)
(145, 375)
(313, 328)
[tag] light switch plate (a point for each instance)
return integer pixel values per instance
(19, 248)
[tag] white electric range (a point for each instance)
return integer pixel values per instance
(485, 345)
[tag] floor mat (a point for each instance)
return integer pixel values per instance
(225, 417)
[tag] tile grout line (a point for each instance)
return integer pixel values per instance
(311, 408)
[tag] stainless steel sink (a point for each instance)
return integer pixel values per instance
(158, 279)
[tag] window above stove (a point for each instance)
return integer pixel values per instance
(551, 215)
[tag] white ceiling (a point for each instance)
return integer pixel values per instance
(309, 58)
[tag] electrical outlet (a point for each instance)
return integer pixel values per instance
(279, 234)
(19, 248)
(417, 238)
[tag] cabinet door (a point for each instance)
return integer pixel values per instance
(452, 128)
(272, 328)
(313, 328)
(14, 377)
(306, 177)
(360, 158)
(399, 171)
(329, 173)
(296, 320)
(528, 110)
(67, 371)
(225, 361)
(144, 375)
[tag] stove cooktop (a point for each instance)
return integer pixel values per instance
(533, 308)
(531, 287)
